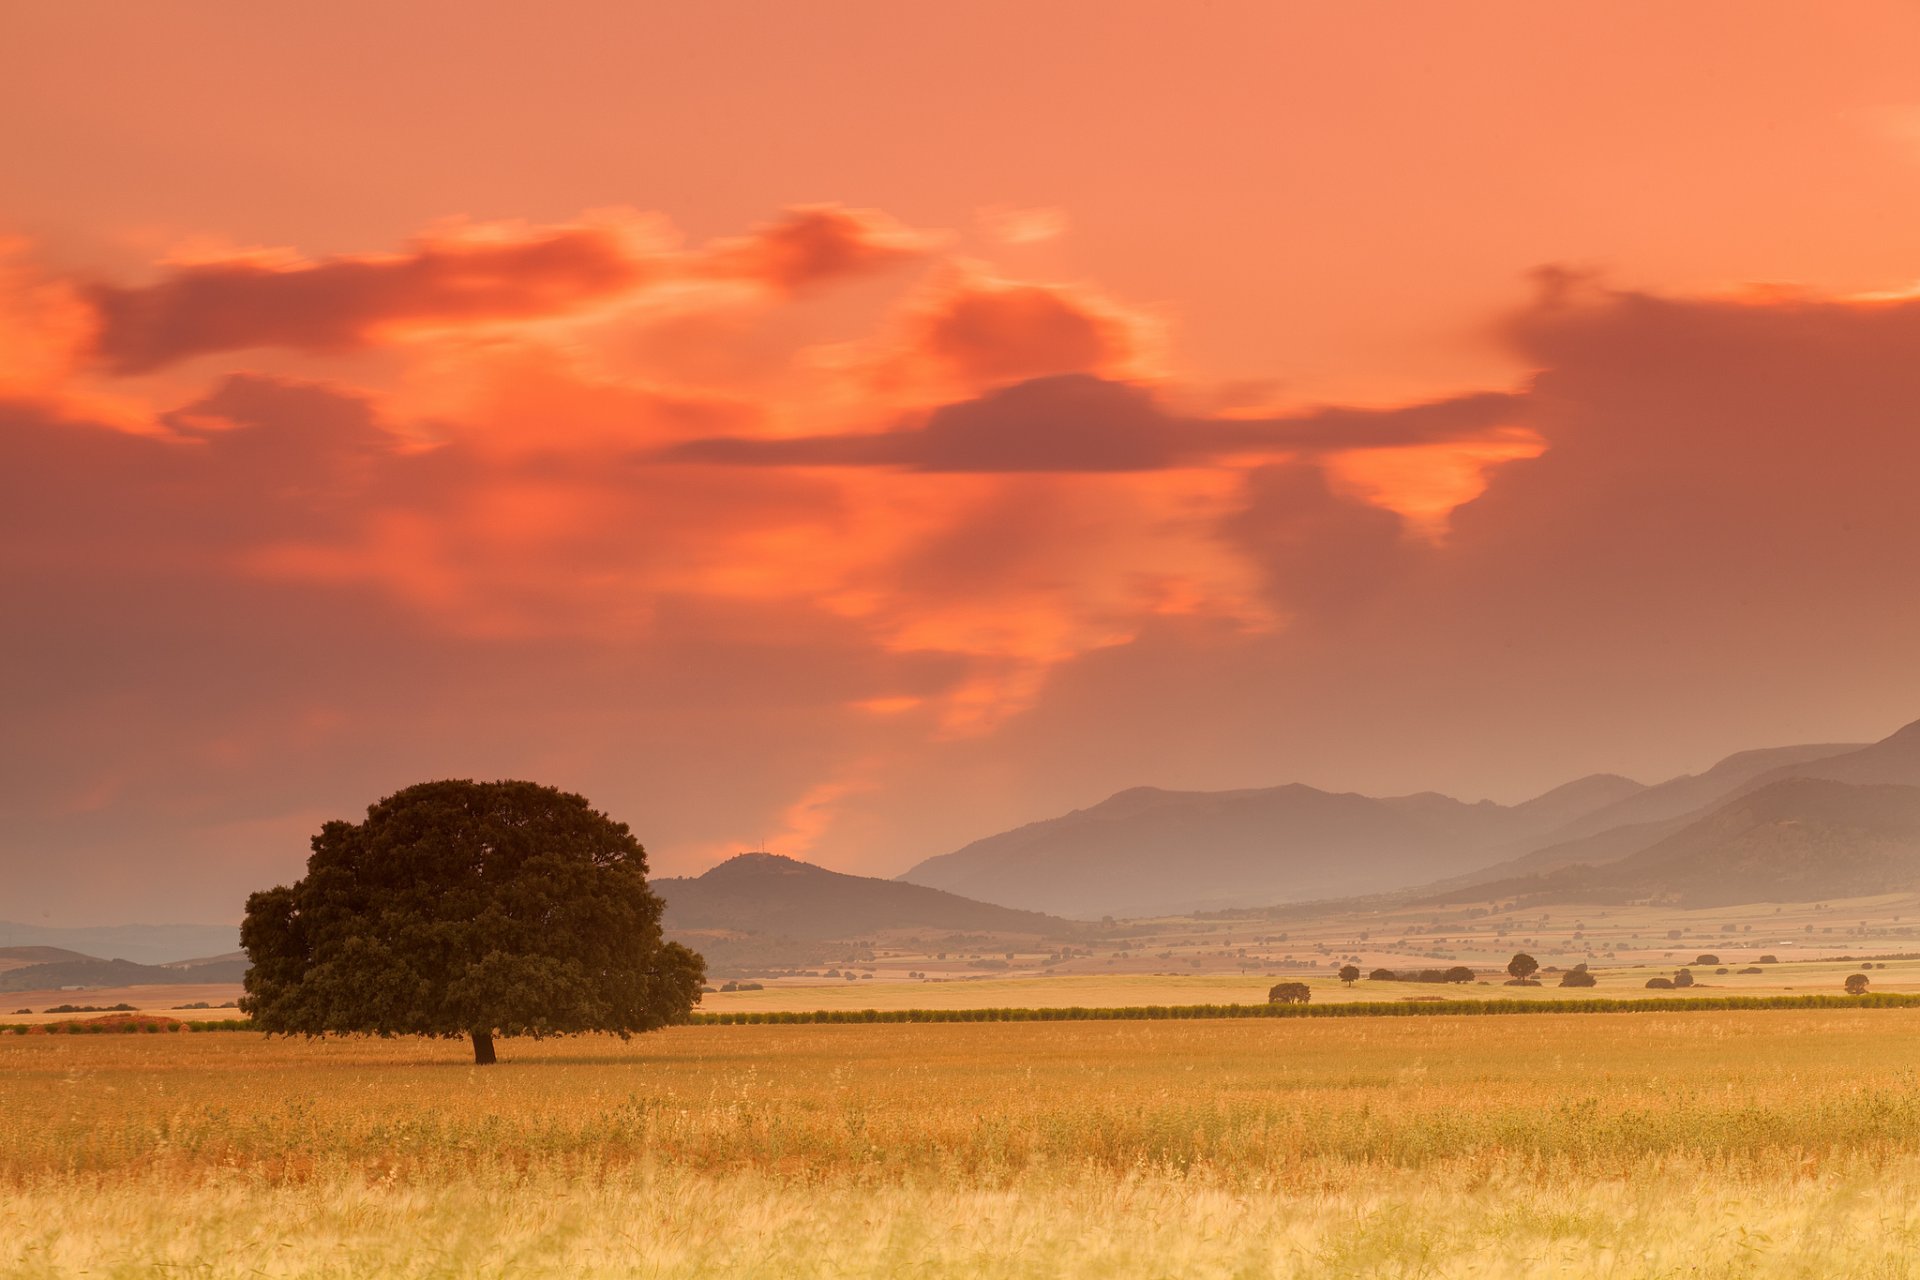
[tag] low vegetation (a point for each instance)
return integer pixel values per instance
(1661, 1144)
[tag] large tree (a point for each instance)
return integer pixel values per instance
(468, 909)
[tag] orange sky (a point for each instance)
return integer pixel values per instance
(865, 428)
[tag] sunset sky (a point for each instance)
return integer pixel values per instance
(863, 427)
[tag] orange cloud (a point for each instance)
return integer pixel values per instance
(334, 304)
(465, 276)
(815, 244)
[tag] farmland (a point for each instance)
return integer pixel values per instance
(1712, 1144)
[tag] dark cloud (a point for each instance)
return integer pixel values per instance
(812, 245)
(339, 303)
(1077, 422)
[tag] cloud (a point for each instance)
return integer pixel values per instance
(466, 276)
(1077, 422)
(814, 244)
(335, 304)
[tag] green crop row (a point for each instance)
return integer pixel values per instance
(1380, 1009)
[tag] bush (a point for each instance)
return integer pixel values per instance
(1459, 973)
(1290, 993)
(1753, 968)
(1382, 975)
(1660, 984)
(1683, 978)
(1706, 960)
(1578, 977)
(1521, 982)
(1856, 984)
(1769, 959)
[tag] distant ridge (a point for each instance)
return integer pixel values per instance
(141, 943)
(1147, 851)
(1792, 840)
(90, 972)
(767, 893)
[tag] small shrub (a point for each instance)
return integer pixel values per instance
(1706, 960)
(1769, 959)
(1382, 975)
(1578, 977)
(1660, 984)
(1753, 968)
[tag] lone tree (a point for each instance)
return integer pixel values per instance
(1459, 973)
(1349, 973)
(1856, 984)
(468, 909)
(1522, 966)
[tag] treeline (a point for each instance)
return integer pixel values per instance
(78, 1027)
(1354, 1009)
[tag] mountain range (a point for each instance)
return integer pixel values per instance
(1736, 829)
(41, 968)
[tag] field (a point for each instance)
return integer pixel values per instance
(1686, 1144)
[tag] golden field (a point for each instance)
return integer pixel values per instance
(1687, 1144)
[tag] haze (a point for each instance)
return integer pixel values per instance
(861, 431)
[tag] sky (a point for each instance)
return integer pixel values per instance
(856, 429)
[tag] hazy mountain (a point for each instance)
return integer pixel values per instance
(21, 957)
(1690, 793)
(765, 893)
(90, 972)
(1147, 851)
(1640, 821)
(143, 943)
(1892, 761)
(1794, 840)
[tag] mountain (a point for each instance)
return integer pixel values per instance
(142, 943)
(1640, 821)
(87, 971)
(1690, 793)
(21, 957)
(1148, 851)
(1792, 840)
(766, 893)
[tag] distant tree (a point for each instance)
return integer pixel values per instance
(1432, 975)
(1459, 973)
(1290, 993)
(1706, 960)
(1382, 975)
(1578, 977)
(1522, 965)
(1662, 984)
(1349, 973)
(1856, 984)
(1683, 978)
(468, 909)
(1769, 960)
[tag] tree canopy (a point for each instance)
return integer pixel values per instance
(475, 909)
(1522, 965)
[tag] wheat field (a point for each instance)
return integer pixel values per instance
(1747, 1144)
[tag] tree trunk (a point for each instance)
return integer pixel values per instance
(483, 1049)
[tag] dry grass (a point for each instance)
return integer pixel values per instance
(1707, 1144)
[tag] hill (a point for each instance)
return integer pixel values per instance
(1793, 840)
(21, 957)
(765, 893)
(1148, 851)
(141, 943)
(87, 971)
